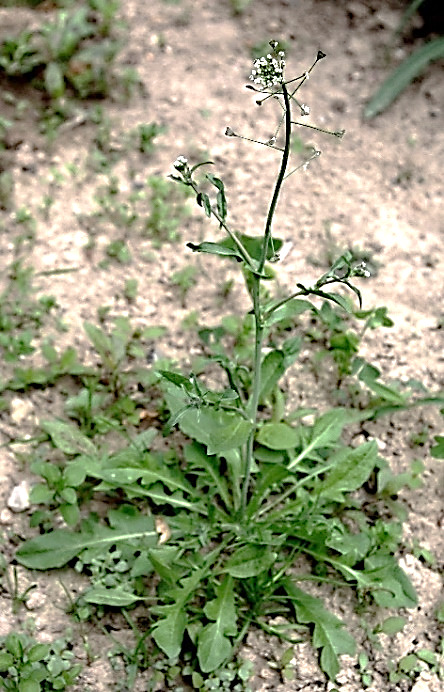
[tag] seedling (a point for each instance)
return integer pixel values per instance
(70, 55)
(27, 665)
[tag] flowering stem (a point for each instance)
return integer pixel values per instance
(258, 317)
(280, 178)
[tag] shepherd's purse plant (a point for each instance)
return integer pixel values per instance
(257, 500)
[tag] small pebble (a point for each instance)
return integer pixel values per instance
(19, 498)
(20, 409)
(6, 517)
(35, 600)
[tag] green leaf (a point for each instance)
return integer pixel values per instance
(40, 494)
(69, 496)
(216, 249)
(58, 547)
(168, 632)
(38, 652)
(218, 429)
(352, 467)
(369, 375)
(70, 513)
(328, 633)
(177, 379)
(325, 433)
(268, 477)
(68, 438)
(391, 587)
(437, 450)
(249, 561)
(253, 245)
(29, 686)
(197, 458)
(231, 435)
(288, 311)
(213, 646)
(272, 369)
(221, 204)
(403, 75)
(204, 201)
(54, 80)
(278, 436)
(392, 625)
(6, 660)
(116, 597)
(101, 341)
(163, 560)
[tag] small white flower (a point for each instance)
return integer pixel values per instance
(181, 163)
(305, 110)
(306, 75)
(362, 270)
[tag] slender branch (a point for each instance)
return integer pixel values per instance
(280, 179)
(242, 250)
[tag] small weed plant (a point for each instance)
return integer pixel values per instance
(28, 666)
(253, 505)
(70, 55)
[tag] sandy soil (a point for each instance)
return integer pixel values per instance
(378, 190)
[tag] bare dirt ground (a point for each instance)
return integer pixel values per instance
(378, 190)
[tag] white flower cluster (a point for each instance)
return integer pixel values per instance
(181, 163)
(268, 70)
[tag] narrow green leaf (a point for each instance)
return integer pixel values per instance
(58, 547)
(369, 375)
(403, 75)
(101, 342)
(54, 80)
(249, 561)
(116, 597)
(221, 204)
(204, 201)
(272, 369)
(216, 249)
(328, 633)
(68, 438)
(177, 379)
(213, 646)
(217, 182)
